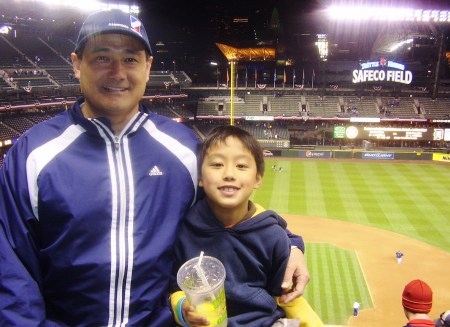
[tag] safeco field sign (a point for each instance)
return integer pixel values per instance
(385, 71)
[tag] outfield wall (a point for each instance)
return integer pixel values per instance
(360, 154)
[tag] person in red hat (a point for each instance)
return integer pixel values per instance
(417, 299)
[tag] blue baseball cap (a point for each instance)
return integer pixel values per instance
(112, 21)
(443, 320)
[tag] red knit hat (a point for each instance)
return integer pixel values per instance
(417, 296)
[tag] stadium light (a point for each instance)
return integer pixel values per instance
(322, 45)
(353, 13)
(4, 29)
(215, 64)
(90, 5)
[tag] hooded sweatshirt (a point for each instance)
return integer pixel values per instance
(254, 252)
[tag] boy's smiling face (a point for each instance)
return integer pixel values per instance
(228, 177)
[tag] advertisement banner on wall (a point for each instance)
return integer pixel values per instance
(378, 155)
(315, 154)
(441, 157)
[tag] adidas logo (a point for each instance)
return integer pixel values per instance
(155, 171)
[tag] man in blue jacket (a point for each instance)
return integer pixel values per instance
(92, 199)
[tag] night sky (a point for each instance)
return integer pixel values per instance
(165, 17)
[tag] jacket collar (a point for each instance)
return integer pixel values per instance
(79, 119)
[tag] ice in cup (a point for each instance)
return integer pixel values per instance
(204, 288)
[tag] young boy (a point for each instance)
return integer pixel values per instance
(251, 242)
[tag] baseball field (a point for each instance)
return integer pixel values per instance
(354, 215)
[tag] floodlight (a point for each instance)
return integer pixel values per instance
(352, 13)
(5, 29)
(322, 45)
(91, 5)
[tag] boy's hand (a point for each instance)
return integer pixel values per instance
(296, 276)
(191, 317)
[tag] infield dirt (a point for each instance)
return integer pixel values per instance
(375, 249)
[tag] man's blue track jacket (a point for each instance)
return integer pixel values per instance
(88, 220)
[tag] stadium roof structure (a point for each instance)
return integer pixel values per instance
(247, 54)
(389, 42)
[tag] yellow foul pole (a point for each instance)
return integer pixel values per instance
(232, 93)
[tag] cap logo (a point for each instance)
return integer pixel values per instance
(135, 24)
(118, 25)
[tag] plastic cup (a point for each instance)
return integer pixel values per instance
(204, 288)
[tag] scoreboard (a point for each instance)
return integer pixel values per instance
(391, 133)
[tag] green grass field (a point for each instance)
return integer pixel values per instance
(412, 199)
(339, 281)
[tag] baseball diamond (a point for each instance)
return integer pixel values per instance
(354, 216)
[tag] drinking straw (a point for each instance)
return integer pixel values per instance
(198, 268)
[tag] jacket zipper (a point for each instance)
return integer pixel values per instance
(116, 142)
